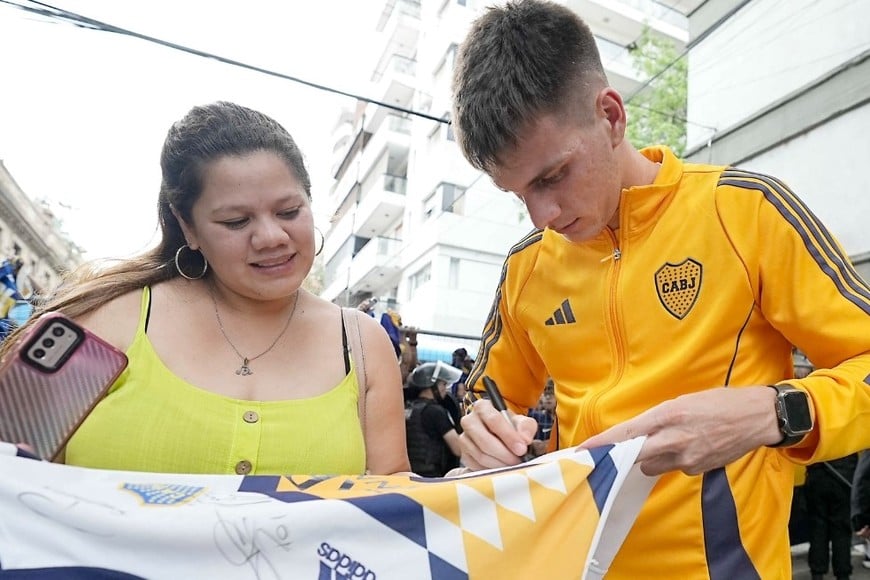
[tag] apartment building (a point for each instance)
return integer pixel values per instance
(413, 223)
(31, 233)
(783, 88)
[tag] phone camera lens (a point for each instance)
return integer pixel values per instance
(48, 342)
(57, 331)
(38, 353)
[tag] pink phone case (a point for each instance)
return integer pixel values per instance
(56, 375)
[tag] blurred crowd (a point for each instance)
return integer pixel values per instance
(15, 296)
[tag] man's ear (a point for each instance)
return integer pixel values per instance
(609, 102)
(189, 234)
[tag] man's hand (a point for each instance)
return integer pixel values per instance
(698, 432)
(489, 441)
(409, 332)
(538, 447)
(863, 532)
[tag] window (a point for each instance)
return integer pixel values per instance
(435, 134)
(447, 3)
(440, 129)
(453, 280)
(419, 278)
(445, 65)
(452, 197)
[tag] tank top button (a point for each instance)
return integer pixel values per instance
(251, 417)
(244, 467)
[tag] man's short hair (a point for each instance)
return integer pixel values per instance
(518, 61)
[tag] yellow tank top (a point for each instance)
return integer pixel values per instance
(151, 420)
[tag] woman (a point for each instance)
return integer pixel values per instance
(234, 368)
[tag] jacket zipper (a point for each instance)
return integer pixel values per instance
(616, 256)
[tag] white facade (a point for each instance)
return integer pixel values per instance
(413, 222)
(787, 89)
(29, 232)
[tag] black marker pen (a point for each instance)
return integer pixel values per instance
(498, 402)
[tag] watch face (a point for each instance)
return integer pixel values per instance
(797, 409)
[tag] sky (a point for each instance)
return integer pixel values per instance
(83, 113)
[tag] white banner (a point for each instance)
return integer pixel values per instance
(564, 515)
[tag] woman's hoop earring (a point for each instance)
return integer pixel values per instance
(178, 266)
(322, 240)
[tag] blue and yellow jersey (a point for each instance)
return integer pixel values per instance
(561, 516)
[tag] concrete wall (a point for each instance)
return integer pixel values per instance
(786, 85)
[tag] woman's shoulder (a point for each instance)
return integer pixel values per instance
(116, 320)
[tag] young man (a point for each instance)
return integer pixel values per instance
(663, 298)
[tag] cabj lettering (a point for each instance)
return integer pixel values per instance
(677, 285)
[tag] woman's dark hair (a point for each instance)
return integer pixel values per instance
(205, 134)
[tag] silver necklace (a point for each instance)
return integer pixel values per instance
(245, 369)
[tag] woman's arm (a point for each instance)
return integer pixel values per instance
(384, 427)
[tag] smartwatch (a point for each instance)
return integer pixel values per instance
(792, 413)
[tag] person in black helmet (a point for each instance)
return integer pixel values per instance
(433, 442)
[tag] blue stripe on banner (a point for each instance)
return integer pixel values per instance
(602, 477)
(726, 557)
(268, 485)
(66, 573)
(326, 573)
(260, 484)
(443, 570)
(397, 512)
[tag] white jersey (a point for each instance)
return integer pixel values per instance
(562, 515)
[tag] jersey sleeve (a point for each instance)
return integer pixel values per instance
(506, 354)
(809, 292)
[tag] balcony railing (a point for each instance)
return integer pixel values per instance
(384, 182)
(380, 247)
(612, 52)
(399, 124)
(377, 254)
(395, 183)
(409, 7)
(658, 11)
(395, 65)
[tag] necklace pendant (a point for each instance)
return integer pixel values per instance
(244, 370)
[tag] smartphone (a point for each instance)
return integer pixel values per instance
(54, 377)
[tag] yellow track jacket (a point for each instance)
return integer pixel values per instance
(712, 276)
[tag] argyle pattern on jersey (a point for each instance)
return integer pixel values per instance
(553, 512)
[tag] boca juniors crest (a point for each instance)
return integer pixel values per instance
(562, 515)
(678, 286)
